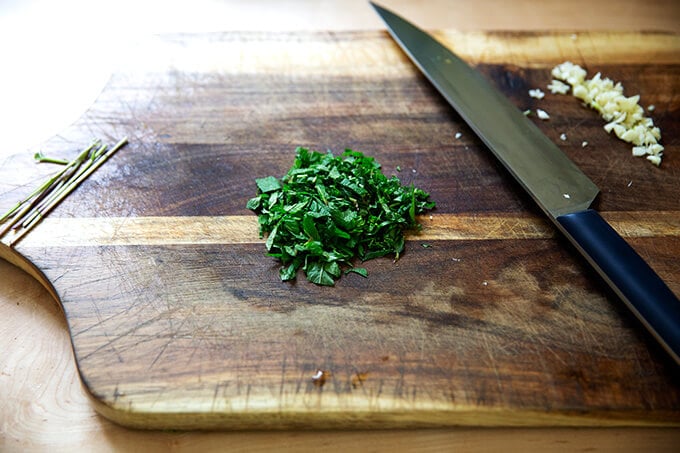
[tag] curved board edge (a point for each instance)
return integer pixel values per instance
(12, 256)
(273, 420)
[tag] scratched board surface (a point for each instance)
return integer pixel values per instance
(178, 317)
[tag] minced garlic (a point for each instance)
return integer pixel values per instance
(536, 93)
(624, 115)
(542, 114)
(558, 87)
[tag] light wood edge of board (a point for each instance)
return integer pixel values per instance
(150, 231)
(272, 420)
(8, 254)
(537, 48)
(276, 52)
(243, 229)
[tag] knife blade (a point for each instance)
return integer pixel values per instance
(557, 185)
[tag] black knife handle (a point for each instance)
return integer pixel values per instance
(628, 274)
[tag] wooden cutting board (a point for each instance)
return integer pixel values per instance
(179, 320)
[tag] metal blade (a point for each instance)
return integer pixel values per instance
(553, 180)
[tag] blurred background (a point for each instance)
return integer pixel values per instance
(56, 56)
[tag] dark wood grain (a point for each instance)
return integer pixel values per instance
(192, 328)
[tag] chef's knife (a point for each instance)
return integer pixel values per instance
(559, 187)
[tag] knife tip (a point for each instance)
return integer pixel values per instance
(378, 9)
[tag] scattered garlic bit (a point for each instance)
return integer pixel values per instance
(651, 107)
(655, 159)
(558, 87)
(624, 115)
(542, 114)
(654, 150)
(527, 112)
(584, 144)
(639, 151)
(563, 137)
(536, 93)
(458, 135)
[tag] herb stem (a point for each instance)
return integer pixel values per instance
(40, 196)
(43, 187)
(68, 188)
(32, 209)
(40, 157)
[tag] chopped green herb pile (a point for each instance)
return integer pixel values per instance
(327, 211)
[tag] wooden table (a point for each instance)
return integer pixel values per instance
(43, 404)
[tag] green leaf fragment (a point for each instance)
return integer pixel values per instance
(253, 203)
(269, 243)
(288, 272)
(358, 270)
(268, 184)
(323, 273)
(309, 227)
